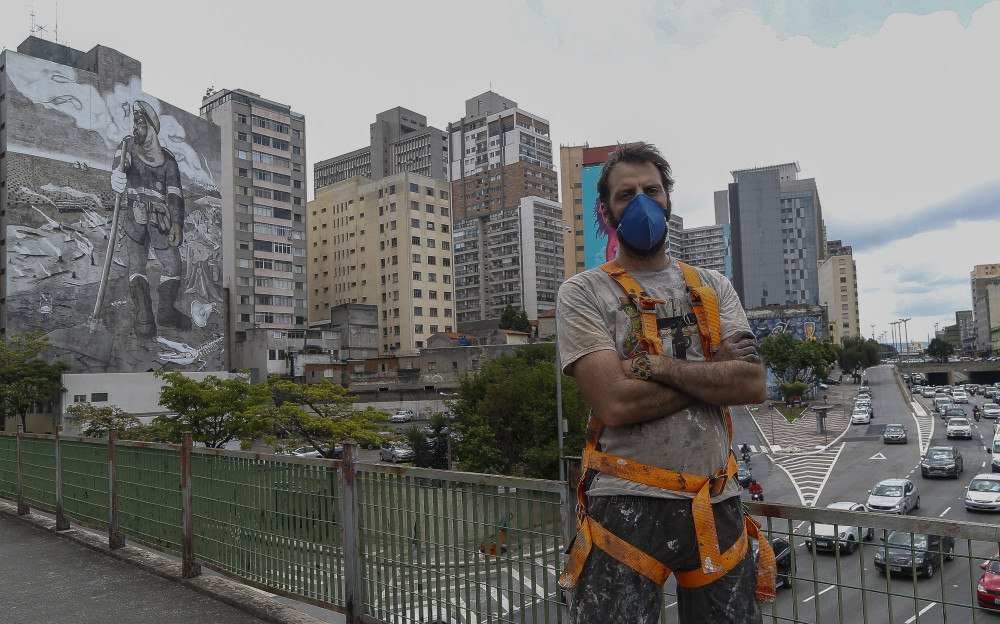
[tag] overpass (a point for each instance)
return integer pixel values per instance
(942, 373)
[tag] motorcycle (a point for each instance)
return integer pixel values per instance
(757, 496)
(746, 455)
(976, 413)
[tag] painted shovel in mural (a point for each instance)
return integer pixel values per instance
(112, 239)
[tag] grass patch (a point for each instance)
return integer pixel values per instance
(791, 414)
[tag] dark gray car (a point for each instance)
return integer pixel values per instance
(914, 554)
(894, 434)
(942, 461)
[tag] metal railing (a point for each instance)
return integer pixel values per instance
(405, 545)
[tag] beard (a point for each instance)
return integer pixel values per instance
(642, 253)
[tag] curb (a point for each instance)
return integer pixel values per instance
(253, 602)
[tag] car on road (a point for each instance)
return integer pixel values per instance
(990, 393)
(940, 403)
(959, 397)
(894, 434)
(983, 493)
(914, 553)
(782, 560)
(402, 416)
(945, 461)
(991, 410)
(953, 411)
(396, 453)
(988, 587)
(898, 496)
(845, 538)
(927, 393)
(959, 428)
(743, 474)
(861, 416)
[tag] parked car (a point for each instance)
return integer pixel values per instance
(308, 451)
(844, 538)
(898, 496)
(942, 461)
(782, 560)
(988, 587)
(983, 493)
(914, 553)
(959, 428)
(894, 434)
(861, 416)
(991, 410)
(396, 453)
(402, 416)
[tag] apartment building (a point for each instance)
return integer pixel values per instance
(400, 141)
(985, 282)
(263, 188)
(838, 291)
(706, 246)
(509, 257)
(385, 242)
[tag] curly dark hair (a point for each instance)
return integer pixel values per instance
(637, 153)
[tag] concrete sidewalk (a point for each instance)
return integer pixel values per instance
(49, 580)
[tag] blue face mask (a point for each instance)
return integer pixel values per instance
(643, 224)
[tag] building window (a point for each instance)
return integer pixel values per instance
(429, 208)
(416, 275)
(445, 212)
(418, 311)
(244, 318)
(79, 398)
(418, 329)
(417, 293)
(98, 397)
(415, 240)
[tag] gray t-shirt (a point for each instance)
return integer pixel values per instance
(593, 316)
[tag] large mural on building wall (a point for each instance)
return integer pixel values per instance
(800, 326)
(114, 222)
(599, 241)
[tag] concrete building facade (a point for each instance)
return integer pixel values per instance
(400, 141)
(707, 246)
(509, 257)
(966, 330)
(985, 282)
(777, 236)
(264, 202)
(838, 292)
(387, 243)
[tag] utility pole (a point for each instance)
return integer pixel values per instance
(906, 332)
(873, 331)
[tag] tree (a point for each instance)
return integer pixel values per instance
(858, 352)
(514, 319)
(505, 416)
(26, 380)
(97, 421)
(430, 450)
(320, 415)
(940, 349)
(216, 411)
(791, 360)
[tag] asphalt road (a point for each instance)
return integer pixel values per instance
(865, 460)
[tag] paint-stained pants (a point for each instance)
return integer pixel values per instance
(611, 593)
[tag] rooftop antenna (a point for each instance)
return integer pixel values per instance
(36, 28)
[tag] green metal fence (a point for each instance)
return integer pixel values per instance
(149, 496)
(270, 520)
(8, 467)
(38, 469)
(85, 481)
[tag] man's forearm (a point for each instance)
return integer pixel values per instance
(730, 382)
(639, 401)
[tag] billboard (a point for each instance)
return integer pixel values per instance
(113, 220)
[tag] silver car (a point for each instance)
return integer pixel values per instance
(959, 428)
(983, 493)
(396, 453)
(898, 496)
(844, 538)
(991, 410)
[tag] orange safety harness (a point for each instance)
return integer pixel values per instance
(713, 563)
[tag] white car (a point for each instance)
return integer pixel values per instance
(897, 496)
(991, 410)
(959, 397)
(959, 428)
(401, 416)
(983, 493)
(927, 393)
(846, 538)
(861, 416)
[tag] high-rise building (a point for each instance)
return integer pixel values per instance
(510, 257)
(263, 187)
(499, 154)
(777, 236)
(985, 280)
(400, 141)
(112, 218)
(707, 246)
(966, 330)
(385, 242)
(838, 291)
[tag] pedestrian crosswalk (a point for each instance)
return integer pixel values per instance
(808, 472)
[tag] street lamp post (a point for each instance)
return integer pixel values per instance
(906, 332)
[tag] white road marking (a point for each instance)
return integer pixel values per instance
(944, 512)
(799, 525)
(819, 594)
(753, 449)
(672, 604)
(878, 455)
(983, 465)
(919, 613)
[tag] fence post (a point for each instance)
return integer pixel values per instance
(189, 567)
(22, 505)
(349, 526)
(568, 510)
(62, 523)
(115, 538)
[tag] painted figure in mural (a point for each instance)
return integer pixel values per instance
(146, 175)
(611, 248)
(809, 330)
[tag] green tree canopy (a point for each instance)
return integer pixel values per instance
(97, 421)
(320, 415)
(940, 349)
(514, 319)
(216, 411)
(430, 450)
(807, 361)
(505, 416)
(858, 352)
(26, 380)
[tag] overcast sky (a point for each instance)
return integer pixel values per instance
(892, 106)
